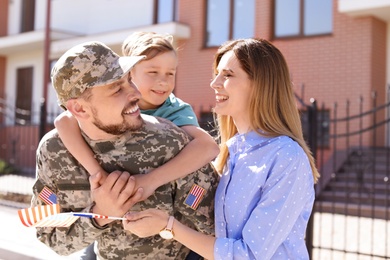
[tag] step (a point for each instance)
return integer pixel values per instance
(356, 152)
(353, 186)
(378, 177)
(350, 209)
(380, 167)
(367, 162)
(364, 197)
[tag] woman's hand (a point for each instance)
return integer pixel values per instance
(146, 223)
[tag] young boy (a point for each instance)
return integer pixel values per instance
(155, 79)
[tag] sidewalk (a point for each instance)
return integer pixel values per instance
(331, 231)
(18, 242)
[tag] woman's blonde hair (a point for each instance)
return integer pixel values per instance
(147, 43)
(273, 109)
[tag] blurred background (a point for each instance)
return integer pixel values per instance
(338, 52)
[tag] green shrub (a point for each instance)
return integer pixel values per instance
(6, 168)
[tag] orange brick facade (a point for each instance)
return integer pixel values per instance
(3, 32)
(346, 64)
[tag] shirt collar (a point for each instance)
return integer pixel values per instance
(244, 142)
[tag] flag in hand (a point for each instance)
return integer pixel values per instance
(51, 216)
(45, 216)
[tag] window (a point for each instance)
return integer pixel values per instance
(166, 11)
(27, 16)
(302, 17)
(23, 95)
(229, 19)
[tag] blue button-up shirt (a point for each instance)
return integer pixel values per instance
(264, 199)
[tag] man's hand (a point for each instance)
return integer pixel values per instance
(115, 196)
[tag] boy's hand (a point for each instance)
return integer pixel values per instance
(102, 176)
(144, 181)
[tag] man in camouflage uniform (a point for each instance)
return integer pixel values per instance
(92, 82)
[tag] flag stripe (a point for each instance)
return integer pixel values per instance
(199, 195)
(196, 202)
(40, 214)
(34, 216)
(46, 212)
(22, 218)
(28, 214)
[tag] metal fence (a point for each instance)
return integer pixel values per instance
(350, 219)
(20, 132)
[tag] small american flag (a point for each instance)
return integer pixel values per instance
(38, 216)
(47, 196)
(195, 196)
(50, 216)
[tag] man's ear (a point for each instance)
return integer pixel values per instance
(77, 108)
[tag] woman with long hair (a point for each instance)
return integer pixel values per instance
(266, 190)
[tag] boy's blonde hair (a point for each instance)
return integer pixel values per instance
(147, 43)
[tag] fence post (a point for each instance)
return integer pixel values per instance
(42, 119)
(312, 142)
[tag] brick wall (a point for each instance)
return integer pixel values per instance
(195, 62)
(348, 64)
(3, 32)
(3, 17)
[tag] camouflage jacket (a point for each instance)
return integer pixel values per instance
(136, 152)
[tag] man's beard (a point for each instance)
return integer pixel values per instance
(117, 129)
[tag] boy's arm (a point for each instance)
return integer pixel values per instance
(70, 134)
(197, 153)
